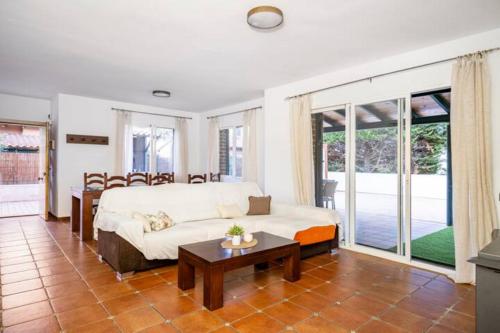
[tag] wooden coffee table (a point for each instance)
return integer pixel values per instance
(215, 260)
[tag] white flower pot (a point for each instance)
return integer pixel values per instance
(248, 237)
(236, 240)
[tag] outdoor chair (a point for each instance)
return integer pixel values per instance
(329, 188)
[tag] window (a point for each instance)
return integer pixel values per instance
(164, 150)
(153, 149)
(142, 149)
(231, 151)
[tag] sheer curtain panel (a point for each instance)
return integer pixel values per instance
(124, 143)
(474, 211)
(213, 145)
(250, 145)
(302, 150)
(181, 151)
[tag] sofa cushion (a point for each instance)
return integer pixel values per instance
(229, 211)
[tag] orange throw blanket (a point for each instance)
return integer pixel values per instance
(315, 234)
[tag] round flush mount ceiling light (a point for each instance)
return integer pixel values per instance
(265, 17)
(161, 93)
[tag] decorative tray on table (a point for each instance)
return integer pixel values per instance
(227, 244)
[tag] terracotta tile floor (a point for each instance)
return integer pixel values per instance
(52, 282)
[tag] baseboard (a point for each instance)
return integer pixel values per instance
(52, 217)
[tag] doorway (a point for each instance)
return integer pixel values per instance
(23, 169)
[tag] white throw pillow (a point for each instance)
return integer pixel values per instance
(160, 221)
(229, 211)
(152, 222)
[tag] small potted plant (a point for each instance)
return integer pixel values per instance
(236, 232)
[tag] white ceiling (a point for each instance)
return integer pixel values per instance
(203, 51)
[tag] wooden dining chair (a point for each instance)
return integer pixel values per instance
(169, 176)
(91, 179)
(197, 179)
(96, 180)
(215, 177)
(158, 179)
(137, 178)
(114, 181)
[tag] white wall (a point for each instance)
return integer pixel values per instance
(13, 107)
(277, 153)
(234, 120)
(422, 186)
(91, 116)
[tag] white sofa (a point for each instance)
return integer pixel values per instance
(193, 208)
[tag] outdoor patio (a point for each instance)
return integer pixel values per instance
(376, 218)
(19, 200)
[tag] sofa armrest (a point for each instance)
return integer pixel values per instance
(309, 212)
(124, 226)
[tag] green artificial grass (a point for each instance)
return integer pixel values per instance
(437, 247)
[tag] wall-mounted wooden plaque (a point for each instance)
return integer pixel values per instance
(87, 139)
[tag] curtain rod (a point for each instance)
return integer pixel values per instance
(150, 113)
(383, 74)
(227, 114)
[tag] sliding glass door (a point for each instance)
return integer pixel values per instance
(385, 168)
(330, 147)
(378, 175)
(431, 217)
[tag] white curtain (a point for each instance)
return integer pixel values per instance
(124, 143)
(474, 211)
(302, 150)
(181, 150)
(250, 146)
(213, 145)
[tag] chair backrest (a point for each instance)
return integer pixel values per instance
(114, 181)
(197, 179)
(330, 188)
(158, 179)
(215, 177)
(137, 178)
(169, 176)
(93, 179)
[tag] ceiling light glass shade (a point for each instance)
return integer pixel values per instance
(161, 93)
(265, 17)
